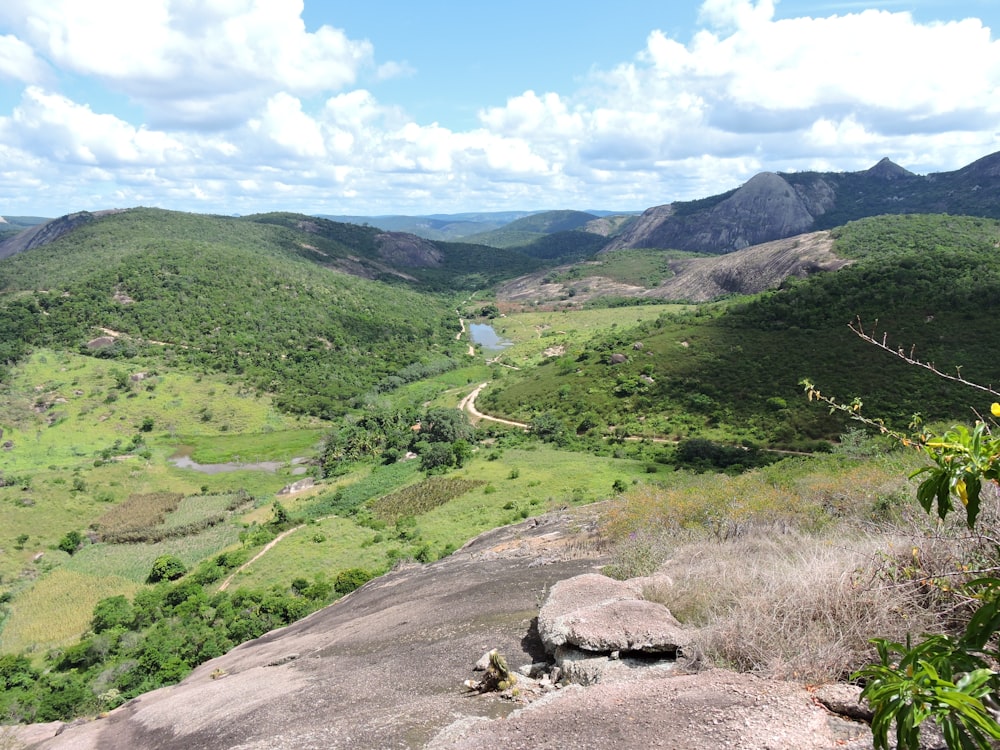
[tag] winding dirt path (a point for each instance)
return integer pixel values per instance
(468, 404)
(229, 579)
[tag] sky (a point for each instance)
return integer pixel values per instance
(382, 107)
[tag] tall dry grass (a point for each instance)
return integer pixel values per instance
(798, 606)
(792, 578)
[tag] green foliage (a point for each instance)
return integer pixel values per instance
(351, 579)
(435, 457)
(700, 454)
(281, 519)
(230, 295)
(942, 678)
(113, 612)
(71, 542)
(963, 459)
(166, 568)
(730, 372)
(155, 640)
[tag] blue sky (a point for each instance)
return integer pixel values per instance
(237, 106)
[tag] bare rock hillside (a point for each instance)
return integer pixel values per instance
(388, 667)
(749, 271)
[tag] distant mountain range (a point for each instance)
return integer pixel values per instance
(463, 226)
(772, 206)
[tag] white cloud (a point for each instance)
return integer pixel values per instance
(852, 87)
(51, 124)
(291, 128)
(285, 124)
(19, 62)
(195, 62)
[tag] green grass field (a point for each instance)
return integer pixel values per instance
(517, 483)
(535, 332)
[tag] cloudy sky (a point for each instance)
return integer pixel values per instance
(435, 106)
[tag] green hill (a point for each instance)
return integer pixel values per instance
(252, 298)
(533, 228)
(733, 371)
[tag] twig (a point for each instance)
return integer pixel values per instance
(911, 359)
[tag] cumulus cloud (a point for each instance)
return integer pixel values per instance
(68, 132)
(192, 62)
(748, 89)
(18, 61)
(248, 110)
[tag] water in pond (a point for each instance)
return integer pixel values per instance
(483, 335)
(185, 462)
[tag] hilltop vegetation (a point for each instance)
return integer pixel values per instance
(236, 296)
(733, 370)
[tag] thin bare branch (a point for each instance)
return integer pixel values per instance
(911, 359)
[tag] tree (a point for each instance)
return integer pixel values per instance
(166, 568)
(548, 427)
(462, 452)
(950, 679)
(281, 518)
(112, 612)
(436, 457)
(445, 426)
(71, 542)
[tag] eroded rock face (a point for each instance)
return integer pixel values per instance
(595, 613)
(407, 250)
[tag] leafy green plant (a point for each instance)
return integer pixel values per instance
(166, 568)
(953, 681)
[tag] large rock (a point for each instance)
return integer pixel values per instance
(595, 613)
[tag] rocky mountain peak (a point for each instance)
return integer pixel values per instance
(988, 166)
(886, 169)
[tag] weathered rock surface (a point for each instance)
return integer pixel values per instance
(595, 613)
(773, 206)
(748, 271)
(713, 710)
(384, 668)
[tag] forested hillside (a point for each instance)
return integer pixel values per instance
(257, 300)
(931, 282)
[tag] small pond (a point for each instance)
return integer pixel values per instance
(185, 462)
(482, 334)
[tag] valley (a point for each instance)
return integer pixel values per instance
(659, 384)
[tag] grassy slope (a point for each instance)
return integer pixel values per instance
(725, 357)
(933, 282)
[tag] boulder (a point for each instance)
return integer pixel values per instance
(299, 486)
(599, 614)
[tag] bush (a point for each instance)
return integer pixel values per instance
(71, 542)
(166, 568)
(113, 612)
(350, 579)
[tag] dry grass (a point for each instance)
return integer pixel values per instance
(9, 739)
(791, 578)
(793, 606)
(137, 513)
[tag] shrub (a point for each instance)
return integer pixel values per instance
(350, 579)
(71, 542)
(113, 612)
(166, 568)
